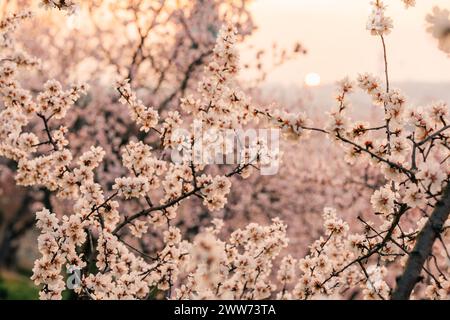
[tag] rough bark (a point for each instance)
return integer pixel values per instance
(423, 248)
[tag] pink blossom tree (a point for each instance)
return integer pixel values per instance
(400, 176)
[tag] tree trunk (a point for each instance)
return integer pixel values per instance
(22, 221)
(6, 249)
(10, 242)
(423, 248)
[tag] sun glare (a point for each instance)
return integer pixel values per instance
(312, 79)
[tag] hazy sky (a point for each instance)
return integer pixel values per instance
(334, 33)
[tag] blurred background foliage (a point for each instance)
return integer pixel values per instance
(17, 286)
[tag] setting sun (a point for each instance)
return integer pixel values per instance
(312, 79)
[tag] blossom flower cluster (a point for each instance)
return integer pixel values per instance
(409, 3)
(8, 25)
(93, 213)
(439, 26)
(328, 268)
(67, 5)
(192, 26)
(223, 104)
(237, 269)
(146, 117)
(413, 182)
(379, 23)
(408, 147)
(57, 244)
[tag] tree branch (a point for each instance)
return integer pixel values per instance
(422, 250)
